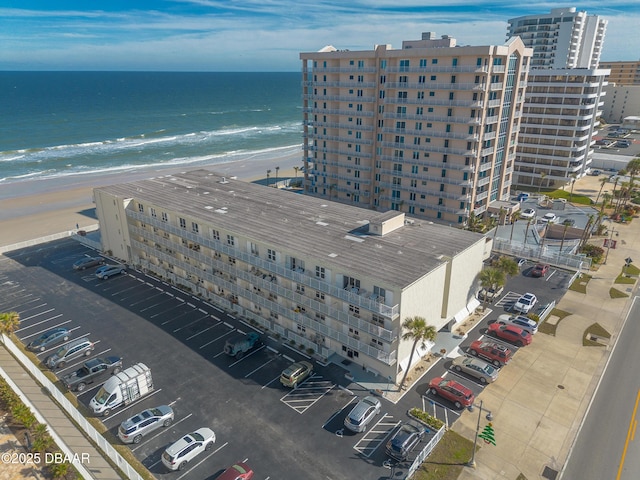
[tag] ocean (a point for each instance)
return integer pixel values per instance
(63, 124)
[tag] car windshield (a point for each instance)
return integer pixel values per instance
(101, 397)
(196, 436)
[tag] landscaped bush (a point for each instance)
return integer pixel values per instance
(593, 251)
(424, 417)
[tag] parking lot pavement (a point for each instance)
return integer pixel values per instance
(377, 436)
(307, 393)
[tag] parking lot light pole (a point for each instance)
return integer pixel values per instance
(609, 245)
(472, 462)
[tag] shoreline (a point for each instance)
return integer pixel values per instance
(36, 208)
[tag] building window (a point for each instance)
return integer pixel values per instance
(141, 208)
(320, 295)
(271, 255)
(183, 223)
(194, 227)
(165, 218)
(354, 310)
(230, 240)
(153, 212)
(215, 234)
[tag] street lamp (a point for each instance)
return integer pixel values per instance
(489, 417)
(609, 245)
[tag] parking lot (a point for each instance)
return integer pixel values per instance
(280, 432)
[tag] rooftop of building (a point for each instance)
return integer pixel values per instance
(307, 225)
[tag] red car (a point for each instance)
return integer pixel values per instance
(540, 270)
(510, 333)
(239, 471)
(453, 391)
(493, 352)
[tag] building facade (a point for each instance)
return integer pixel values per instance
(621, 101)
(333, 279)
(560, 118)
(623, 73)
(429, 129)
(563, 38)
(564, 96)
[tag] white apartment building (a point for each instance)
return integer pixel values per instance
(563, 38)
(564, 95)
(429, 129)
(333, 278)
(560, 118)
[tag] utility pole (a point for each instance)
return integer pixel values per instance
(472, 462)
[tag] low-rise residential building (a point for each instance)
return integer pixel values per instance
(336, 279)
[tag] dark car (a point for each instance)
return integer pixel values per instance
(49, 339)
(93, 371)
(540, 270)
(87, 262)
(405, 440)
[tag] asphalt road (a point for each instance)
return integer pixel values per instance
(608, 444)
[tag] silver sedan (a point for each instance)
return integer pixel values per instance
(476, 368)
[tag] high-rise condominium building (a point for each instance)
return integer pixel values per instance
(429, 129)
(623, 73)
(333, 279)
(563, 98)
(563, 38)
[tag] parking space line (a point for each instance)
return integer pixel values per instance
(372, 444)
(339, 411)
(270, 382)
(177, 316)
(148, 297)
(203, 311)
(263, 365)
(202, 331)
(164, 430)
(191, 323)
(39, 323)
(469, 378)
(155, 305)
(22, 319)
(247, 356)
(305, 395)
(204, 459)
(48, 328)
(133, 287)
(216, 339)
(16, 307)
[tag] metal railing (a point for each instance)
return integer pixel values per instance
(101, 442)
(48, 238)
(425, 452)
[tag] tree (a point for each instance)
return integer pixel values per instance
(514, 219)
(418, 331)
(508, 266)
(603, 182)
(564, 234)
(526, 232)
(573, 182)
(605, 200)
(491, 278)
(295, 169)
(633, 168)
(268, 173)
(9, 322)
(277, 170)
(542, 175)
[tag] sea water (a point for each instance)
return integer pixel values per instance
(57, 124)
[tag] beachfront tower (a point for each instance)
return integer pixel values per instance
(429, 129)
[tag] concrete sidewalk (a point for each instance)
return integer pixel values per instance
(90, 461)
(541, 398)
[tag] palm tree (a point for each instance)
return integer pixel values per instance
(564, 234)
(418, 331)
(514, 218)
(605, 200)
(526, 232)
(296, 168)
(277, 169)
(491, 278)
(633, 168)
(542, 175)
(501, 216)
(508, 266)
(573, 182)
(268, 173)
(9, 322)
(603, 182)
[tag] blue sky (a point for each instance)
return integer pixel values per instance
(259, 35)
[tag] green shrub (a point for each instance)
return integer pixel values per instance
(593, 251)
(423, 416)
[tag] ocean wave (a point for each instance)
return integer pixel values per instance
(193, 161)
(245, 134)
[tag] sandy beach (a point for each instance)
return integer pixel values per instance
(34, 209)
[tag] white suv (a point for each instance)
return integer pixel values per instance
(176, 456)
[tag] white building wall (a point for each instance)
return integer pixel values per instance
(114, 232)
(621, 101)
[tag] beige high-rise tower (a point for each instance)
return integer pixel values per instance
(429, 129)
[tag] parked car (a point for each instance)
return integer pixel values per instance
(360, 416)
(49, 339)
(178, 454)
(87, 262)
(107, 271)
(511, 334)
(596, 173)
(133, 429)
(521, 262)
(524, 323)
(522, 197)
(549, 218)
(475, 367)
(73, 349)
(623, 143)
(490, 294)
(540, 270)
(525, 303)
(405, 440)
(453, 391)
(295, 374)
(499, 355)
(528, 213)
(93, 371)
(239, 471)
